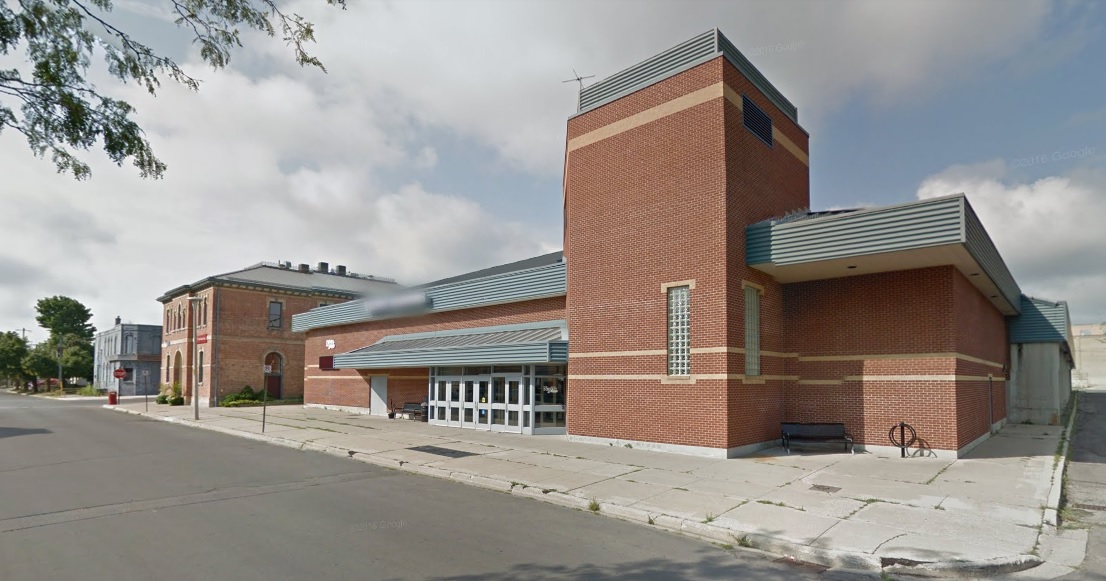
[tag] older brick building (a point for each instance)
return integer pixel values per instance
(231, 330)
(699, 302)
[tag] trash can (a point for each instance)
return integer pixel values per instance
(425, 411)
(113, 398)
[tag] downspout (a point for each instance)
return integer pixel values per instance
(214, 347)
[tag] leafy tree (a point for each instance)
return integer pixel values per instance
(64, 317)
(13, 348)
(77, 361)
(41, 361)
(57, 109)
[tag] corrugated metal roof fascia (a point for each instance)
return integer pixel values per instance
(922, 225)
(461, 341)
(523, 285)
(649, 71)
(982, 249)
(910, 225)
(490, 354)
(558, 351)
(1039, 322)
(903, 229)
(476, 330)
(758, 243)
(947, 203)
(754, 75)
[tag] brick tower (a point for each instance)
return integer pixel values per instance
(667, 162)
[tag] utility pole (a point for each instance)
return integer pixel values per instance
(61, 382)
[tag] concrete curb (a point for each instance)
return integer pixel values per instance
(987, 568)
(770, 546)
(1052, 507)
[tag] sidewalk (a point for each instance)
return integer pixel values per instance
(982, 515)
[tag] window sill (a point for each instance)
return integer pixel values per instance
(678, 380)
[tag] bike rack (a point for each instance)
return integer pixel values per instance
(902, 443)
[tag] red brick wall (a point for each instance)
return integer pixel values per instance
(239, 340)
(924, 311)
(762, 182)
(664, 202)
(348, 387)
(980, 332)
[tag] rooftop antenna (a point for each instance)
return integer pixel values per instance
(577, 78)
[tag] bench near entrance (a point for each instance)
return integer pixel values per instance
(814, 432)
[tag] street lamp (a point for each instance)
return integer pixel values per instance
(193, 304)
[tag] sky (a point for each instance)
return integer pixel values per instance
(434, 144)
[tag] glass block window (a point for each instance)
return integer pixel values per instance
(679, 331)
(752, 331)
(756, 120)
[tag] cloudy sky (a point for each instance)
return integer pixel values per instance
(435, 144)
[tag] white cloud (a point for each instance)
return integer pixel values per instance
(1049, 231)
(269, 161)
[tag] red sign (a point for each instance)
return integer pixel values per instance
(201, 339)
(120, 373)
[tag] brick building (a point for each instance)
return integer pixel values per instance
(231, 330)
(705, 302)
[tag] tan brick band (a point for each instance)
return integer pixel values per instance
(672, 107)
(960, 356)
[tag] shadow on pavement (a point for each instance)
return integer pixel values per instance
(13, 432)
(719, 565)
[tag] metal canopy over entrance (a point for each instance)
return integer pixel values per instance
(545, 341)
(506, 378)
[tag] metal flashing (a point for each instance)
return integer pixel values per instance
(682, 57)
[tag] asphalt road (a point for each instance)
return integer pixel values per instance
(1086, 490)
(86, 493)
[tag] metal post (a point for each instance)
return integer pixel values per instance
(264, 404)
(195, 357)
(146, 387)
(902, 439)
(61, 382)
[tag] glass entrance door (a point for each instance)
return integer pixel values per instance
(515, 387)
(468, 408)
(455, 403)
(483, 404)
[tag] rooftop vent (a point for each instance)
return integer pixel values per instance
(341, 270)
(118, 320)
(322, 267)
(285, 264)
(305, 268)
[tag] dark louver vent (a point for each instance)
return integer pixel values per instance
(756, 120)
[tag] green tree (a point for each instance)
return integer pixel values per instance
(64, 317)
(13, 348)
(77, 361)
(52, 103)
(41, 362)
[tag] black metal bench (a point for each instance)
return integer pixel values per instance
(814, 432)
(413, 411)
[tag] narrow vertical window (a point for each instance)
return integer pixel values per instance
(679, 331)
(200, 372)
(752, 331)
(168, 363)
(276, 313)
